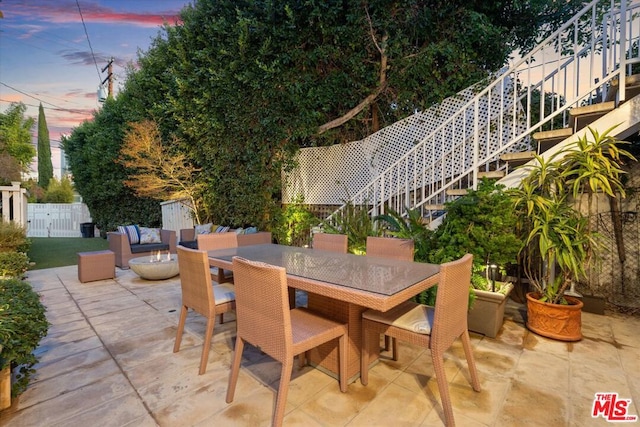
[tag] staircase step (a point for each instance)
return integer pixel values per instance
(434, 207)
(517, 159)
(491, 174)
(632, 87)
(548, 138)
(583, 116)
(457, 192)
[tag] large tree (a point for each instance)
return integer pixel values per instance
(16, 151)
(244, 84)
(93, 149)
(45, 166)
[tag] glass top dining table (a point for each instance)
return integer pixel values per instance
(372, 282)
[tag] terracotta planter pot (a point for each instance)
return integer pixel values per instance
(5, 388)
(557, 321)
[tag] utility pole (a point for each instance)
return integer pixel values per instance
(109, 69)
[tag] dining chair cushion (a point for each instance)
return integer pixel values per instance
(409, 315)
(228, 274)
(224, 292)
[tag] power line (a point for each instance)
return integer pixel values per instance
(88, 40)
(68, 110)
(56, 107)
(29, 95)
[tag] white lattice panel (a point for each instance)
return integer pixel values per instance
(330, 175)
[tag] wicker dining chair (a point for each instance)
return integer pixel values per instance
(265, 321)
(392, 248)
(436, 328)
(213, 241)
(331, 242)
(199, 295)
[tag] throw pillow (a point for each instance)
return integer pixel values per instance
(150, 235)
(203, 228)
(250, 230)
(131, 231)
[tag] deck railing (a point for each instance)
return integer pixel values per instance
(577, 65)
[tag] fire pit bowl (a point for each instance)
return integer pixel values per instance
(155, 267)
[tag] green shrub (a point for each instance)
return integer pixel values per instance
(13, 238)
(22, 325)
(294, 223)
(483, 223)
(59, 191)
(13, 264)
(355, 222)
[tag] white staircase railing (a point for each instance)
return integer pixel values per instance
(575, 66)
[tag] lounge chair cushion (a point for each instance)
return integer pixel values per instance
(149, 247)
(132, 232)
(149, 235)
(204, 228)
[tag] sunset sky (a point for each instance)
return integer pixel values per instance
(46, 56)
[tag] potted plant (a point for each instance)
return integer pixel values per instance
(482, 223)
(560, 244)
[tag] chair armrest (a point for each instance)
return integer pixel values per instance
(169, 236)
(188, 234)
(119, 245)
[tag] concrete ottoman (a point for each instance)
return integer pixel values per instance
(97, 265)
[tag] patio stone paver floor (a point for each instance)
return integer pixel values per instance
(108, 361)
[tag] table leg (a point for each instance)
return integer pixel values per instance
(326, 355)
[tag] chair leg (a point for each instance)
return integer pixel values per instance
(235, 368)
(443, 388)
(283, 390)
(471, 363)
(387, 343)
(364, 355)
(394, 349)
(342, 354)
(221, 318)
(183, 318)
(302, 359)
(207, 345)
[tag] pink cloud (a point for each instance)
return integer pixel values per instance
(67, 11)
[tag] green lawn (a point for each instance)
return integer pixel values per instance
(48, 252)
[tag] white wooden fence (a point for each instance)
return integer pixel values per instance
(56, 219)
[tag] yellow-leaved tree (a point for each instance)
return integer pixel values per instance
(156, 172)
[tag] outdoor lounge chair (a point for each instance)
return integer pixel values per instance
(199, 295)
(265, 321)
(435, 328)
